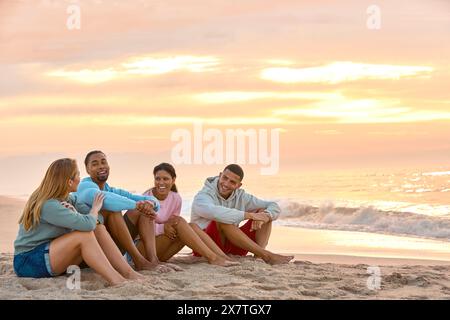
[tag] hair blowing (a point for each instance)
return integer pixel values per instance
(54, 186)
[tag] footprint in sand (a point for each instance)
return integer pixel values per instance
(228, 285)
(6, 269)
(400, 280)
(435, 276)
(295, 285)
(312, 285)
(309, 293)
(441, 268)
(396, 279)
(245, 274)
(271, 288)
(352, 289)
(179, 283)
(301, 278)
(420, 281)
(31, 284)
(445, 289)
(301, 263)
(94, 286)
(231, 297)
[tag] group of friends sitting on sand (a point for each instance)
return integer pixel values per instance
(69, 222)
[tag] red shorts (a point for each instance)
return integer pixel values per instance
(228, 247)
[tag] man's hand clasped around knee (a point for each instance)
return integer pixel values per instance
(259, 218)
(257, 224)
(146, 208)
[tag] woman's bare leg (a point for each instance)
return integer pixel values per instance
(75, 246)
(146, 229)
(113, 254)
(190, 238)
(165, 249)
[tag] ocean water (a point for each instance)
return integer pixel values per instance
(409, 202)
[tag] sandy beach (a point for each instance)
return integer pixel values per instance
(327, 265)
(252, 279)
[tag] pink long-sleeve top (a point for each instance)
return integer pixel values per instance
(171, 206)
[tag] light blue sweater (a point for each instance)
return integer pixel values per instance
(115, 199)
(56, 220)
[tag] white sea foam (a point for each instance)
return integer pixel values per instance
(367, 219)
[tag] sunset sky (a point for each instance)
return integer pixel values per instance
(343, 95)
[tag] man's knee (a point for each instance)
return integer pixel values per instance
(107, 213)
(100, 227)
(133, 214)
(177, 219)
(224, 226)
(181, 220)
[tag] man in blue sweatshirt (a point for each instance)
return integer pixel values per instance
(115, 201)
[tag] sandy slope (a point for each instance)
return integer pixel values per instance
(252, 279)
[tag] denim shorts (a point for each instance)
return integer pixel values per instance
(34, 263)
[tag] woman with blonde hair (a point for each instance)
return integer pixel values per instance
(55, 232)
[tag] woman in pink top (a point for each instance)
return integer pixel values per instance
(171, 232)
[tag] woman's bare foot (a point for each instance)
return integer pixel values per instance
(118, 282)
(273, 258)
(133, 275)
(147, 265)
(229, 263)
(231, 259)
(159, 266)
(221, 261)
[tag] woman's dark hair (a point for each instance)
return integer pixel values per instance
(170, 170)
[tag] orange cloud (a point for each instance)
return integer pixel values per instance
(338, 72)
(139, 66)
